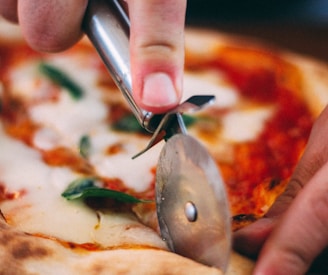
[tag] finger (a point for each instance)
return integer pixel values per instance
(302, 232)
(157, 52)
(250, 239)
(51, 25)
(8, 9)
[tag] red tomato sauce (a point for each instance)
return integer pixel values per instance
(264, 78)
(5, 194)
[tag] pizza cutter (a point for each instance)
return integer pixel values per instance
(191, 201)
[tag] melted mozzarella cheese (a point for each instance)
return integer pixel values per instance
(70, 118)
(210, 83)
(135, 173)
(21, 166)
(245, 125)
(47, 138)
(42, 209)
(240, 124)
(63, 122)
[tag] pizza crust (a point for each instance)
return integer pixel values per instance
(21, 253)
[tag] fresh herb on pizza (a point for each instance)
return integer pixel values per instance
(84, 146)
(86, 188)
(60, 78)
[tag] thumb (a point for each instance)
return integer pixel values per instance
(157, 52)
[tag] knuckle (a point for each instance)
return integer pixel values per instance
(160, 53)
(286, 198)
(159, 48)
(292, 189)
(294, 186)
(319, 206)
(165, 44)
(295, 259)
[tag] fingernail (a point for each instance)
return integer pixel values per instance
(159, 90)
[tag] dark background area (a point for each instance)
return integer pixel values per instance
(297, 25)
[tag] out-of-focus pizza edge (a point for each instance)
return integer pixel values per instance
(202, 43)
(25, 254)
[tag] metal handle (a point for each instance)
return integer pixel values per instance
(107, 26)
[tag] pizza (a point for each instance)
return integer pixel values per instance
(73, 201)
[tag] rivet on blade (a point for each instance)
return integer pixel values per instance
(191, 211)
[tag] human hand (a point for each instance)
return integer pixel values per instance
(156, 41)
(295, 230)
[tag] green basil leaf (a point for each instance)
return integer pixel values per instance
(76, 188)
(128, 123)
(60, 78)
(189, 120)
(84, 146)
(85, 187)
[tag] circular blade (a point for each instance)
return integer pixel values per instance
(192, 205)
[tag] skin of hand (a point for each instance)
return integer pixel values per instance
(295, 230)
(156, 41)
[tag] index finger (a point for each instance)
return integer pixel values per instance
(157, 52)
(8, 9)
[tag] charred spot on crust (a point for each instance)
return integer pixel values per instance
(18, 249)
(23, 250)
(244, 217)
(96, 268)
(241, 220)
(20, 246)
(5, 237)
(273, 183)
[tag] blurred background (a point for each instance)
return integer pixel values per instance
(297, 25)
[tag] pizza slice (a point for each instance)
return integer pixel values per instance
(72, 200)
